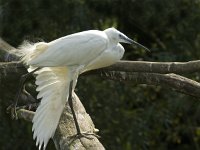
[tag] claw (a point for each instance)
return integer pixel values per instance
(13, 110)
(86, 135)
(13, 107)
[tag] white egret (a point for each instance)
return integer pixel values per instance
(59, 62)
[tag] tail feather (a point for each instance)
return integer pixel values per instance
(28, 51)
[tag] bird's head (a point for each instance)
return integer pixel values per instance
(116, 36)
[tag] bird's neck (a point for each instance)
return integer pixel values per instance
(112, 40)
(112, 43)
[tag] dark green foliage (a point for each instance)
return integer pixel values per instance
(129, 116)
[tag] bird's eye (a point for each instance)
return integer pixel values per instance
(120, 35)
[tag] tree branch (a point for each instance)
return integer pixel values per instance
(177, 82)
(180, 83)
(5, 46)
(134, 66)
(25, 114)
(64, 135)
(155, 67)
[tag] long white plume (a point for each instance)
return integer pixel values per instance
(27, 51)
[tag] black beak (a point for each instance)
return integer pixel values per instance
(130, 41)
(140, 45)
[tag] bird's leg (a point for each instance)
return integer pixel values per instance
(72, 109)
(79, 133)
(31, 107)
(21, 83)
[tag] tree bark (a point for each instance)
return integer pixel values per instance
(177, 82)
(154, 67)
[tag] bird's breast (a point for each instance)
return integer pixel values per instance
(107, 58)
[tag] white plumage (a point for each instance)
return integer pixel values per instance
(53, 87)
(62, 60)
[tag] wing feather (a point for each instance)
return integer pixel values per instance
(44, 79)
(45, 85)
(53, 87)
(44, 93)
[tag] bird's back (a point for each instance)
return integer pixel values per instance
(71, 50)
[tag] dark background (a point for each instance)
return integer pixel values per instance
(129, 116)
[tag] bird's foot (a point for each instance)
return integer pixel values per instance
(87, 135)
(13, 111)
(32, 106)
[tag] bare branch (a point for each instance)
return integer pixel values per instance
(155, 67)
(25, 114)
(5, 46)
(177, 82)
(180, 83)
(133, 66)
(11, 70)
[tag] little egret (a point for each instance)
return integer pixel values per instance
(58, 64)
